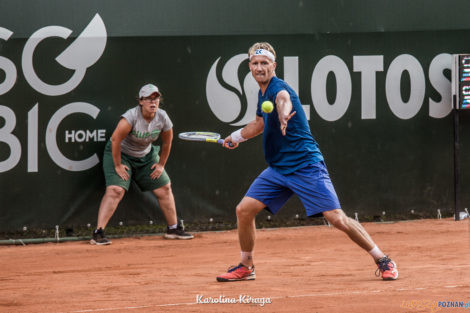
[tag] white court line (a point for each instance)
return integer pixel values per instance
(340, 293)
(134, 307)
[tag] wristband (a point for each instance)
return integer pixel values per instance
(237, 136)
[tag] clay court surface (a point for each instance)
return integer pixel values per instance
(305, 269)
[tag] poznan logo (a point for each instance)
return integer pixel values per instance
(230, 101)
(86, 49)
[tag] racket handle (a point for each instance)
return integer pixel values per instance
(221, 141)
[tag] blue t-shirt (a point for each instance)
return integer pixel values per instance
(297, 148)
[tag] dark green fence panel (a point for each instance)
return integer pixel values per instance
(374, 78)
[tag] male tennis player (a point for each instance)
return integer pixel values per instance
(130, 154)
(295, 165)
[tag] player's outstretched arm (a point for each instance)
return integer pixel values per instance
(284, 108)
(252, 129)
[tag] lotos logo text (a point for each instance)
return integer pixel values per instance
(236, 106)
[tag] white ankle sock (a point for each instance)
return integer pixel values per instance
(376, 253)
(247, 258)
(173, 226)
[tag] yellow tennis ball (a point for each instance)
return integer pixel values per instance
(267, 106)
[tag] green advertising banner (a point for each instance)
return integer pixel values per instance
(378, 103)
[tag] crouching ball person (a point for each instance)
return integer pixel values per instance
(130, 155)
(295, 166)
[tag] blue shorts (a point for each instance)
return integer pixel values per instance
(311, 184)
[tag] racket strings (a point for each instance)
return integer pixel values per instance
(199, 135)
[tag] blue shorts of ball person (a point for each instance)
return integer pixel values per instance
(311, 184)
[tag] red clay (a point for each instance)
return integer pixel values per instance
(307, 269)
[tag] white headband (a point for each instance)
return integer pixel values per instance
(264, 52)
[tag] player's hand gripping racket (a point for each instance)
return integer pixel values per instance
(202, 136)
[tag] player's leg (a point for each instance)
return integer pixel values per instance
(313, 186)
(166, 201)
(267, 191)
(352, 228)
(246, 211)
(357, 233)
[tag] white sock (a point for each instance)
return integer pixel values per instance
(247, 258)
(173, 226)
(376, 253)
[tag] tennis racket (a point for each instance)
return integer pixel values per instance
(201, 136)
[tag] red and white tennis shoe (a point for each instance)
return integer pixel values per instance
(237, 273)
(387, 268)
